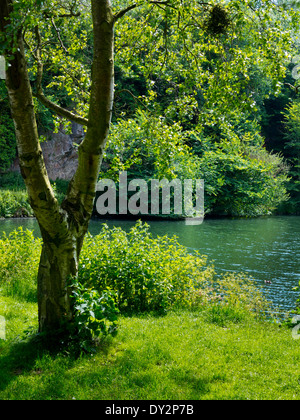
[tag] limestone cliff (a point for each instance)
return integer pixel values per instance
(60, 153)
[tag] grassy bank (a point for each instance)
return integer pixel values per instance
(183, 355)
(13, 195)
(14, 204)
(182, 334)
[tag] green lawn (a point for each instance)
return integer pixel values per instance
(186, 355)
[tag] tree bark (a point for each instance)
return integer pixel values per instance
(62, 227)
(59, 262)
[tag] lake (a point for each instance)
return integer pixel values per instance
(267, 248)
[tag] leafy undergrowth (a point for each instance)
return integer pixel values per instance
(200, 354)
(183, 333)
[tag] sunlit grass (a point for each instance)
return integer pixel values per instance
(184, 355)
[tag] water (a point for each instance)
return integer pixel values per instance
(266, 248)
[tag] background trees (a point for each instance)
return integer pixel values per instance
(214, 69)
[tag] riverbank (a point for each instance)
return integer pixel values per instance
(266, 248)
(188, 355)
(213, 341)
(14, 202)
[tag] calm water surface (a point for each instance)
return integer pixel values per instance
(267, 248)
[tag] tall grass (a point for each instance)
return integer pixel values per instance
(14, 198)
(19, 257)
(14, 204)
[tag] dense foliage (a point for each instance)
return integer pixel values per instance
(133, 271)
(193, 83)
(241, 177)
(292, 149)
(7, 135)
(148, 274)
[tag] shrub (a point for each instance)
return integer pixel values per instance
(148, 274)
(234, 296)
(14, 204)
(19, 258)
(95, 315)
(251, 184)
(158, 274)
(12, 181)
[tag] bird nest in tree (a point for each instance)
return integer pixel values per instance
(218, 21)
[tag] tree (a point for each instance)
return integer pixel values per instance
(62, 227)
(24, 29)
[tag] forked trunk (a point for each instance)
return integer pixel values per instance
(63, 227)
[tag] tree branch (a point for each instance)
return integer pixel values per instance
(62, 112)
(58, 35)
(64, 15)
(39, 90)
(121, 13)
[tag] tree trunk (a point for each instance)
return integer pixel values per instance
(63, 227)
(58, 266)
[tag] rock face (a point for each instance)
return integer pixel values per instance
(60, 153)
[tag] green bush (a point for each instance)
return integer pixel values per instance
(19, 258)
(138, 272)
(14, 204)
(234, 297)
(95, 315)
(148, 274)
(242, 180)
(12, 181)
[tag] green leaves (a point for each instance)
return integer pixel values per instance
(95, 314)
(7, 135)
(148, 274)
(205, 74)
(292, 150)
(149, 147)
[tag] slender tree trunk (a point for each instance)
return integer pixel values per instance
(63, 227)
(58, 264)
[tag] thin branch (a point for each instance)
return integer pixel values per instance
(64, 15)
(39, 90)
(121, 13)
(61, 111)
(165, 3)
(58, 35)
(38, 58)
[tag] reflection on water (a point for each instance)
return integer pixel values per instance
(266, 248)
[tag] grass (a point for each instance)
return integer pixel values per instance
(14, 198)
(14, 204)
(217, 347)
(187, 355)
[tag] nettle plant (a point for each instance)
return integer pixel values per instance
(95, 314)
